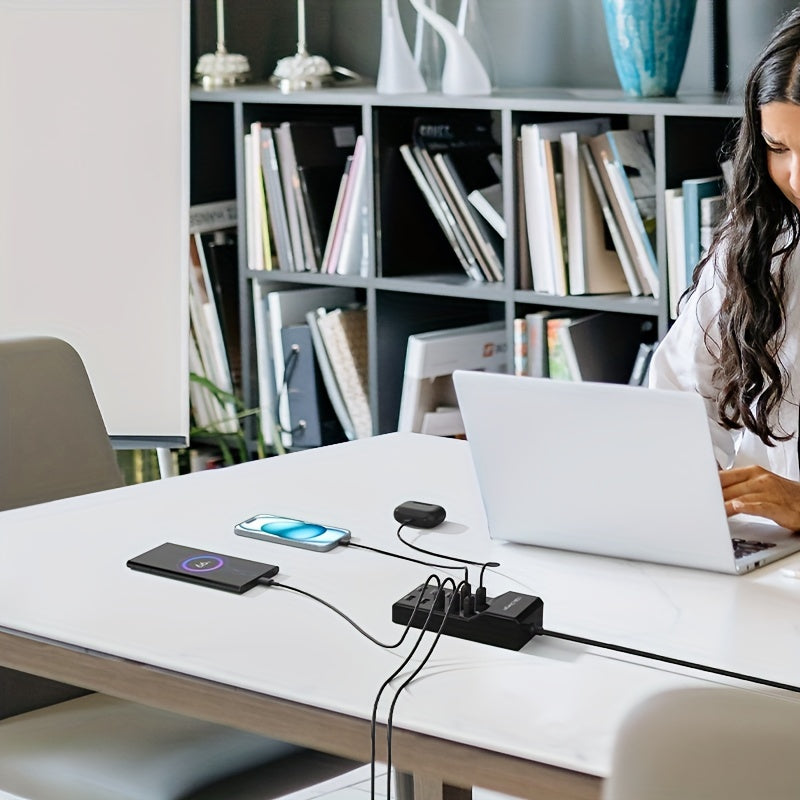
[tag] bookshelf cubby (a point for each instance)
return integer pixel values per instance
(414, 282)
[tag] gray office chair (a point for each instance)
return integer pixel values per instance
(715, 743)
(58, 742)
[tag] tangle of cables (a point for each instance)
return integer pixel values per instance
(440, 600)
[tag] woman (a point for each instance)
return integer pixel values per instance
(737, 338)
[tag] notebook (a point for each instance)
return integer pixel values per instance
(609, 469)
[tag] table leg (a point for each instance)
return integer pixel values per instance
(403, 785)
(429, 787)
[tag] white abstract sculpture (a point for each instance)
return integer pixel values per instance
(397, 71)
(470, 25)
(429, 51)
(463, 71)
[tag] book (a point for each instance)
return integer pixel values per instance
(537, 195)
(625, 163)
(206, 329)
(289, 307)
(524, 270)
(259, 240)
(431, 359)
(352, 179)
(602, 346)
(694, 190)
(481, 236)
(611, 224)
(279, 223)
(252, 224)
(290, 190)
(217, 215)
(316, 153)
(352, 256)
(319, 190)
(559, 365)
(431, 191)
(454, 154)
(641, 364)
(344, 332)
(593, 265)
(469, 258)
(712, 210)
(520, 333)
(341, 195)
(471, 136)
(538, 349)
(489, 203)
(213, 228)
(644, 255)
(332, 387)
(556, 220)
(264, 362)
(313, 420)
(536, 199)
(221, 253)
(676, 249)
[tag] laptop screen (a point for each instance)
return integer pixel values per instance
(600, 468)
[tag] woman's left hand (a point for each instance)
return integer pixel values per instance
(755, 490)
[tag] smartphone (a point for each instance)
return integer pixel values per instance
(294, 532)
(195, 565)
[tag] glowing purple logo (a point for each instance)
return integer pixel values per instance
(202, 563)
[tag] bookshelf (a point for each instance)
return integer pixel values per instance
(414, 283)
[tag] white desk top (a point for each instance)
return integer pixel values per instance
(63, 577)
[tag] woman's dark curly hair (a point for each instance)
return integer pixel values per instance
(761, 225)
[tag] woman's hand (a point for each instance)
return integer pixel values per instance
(755, 490)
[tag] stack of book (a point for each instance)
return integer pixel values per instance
(214, 341)
(693, 211)
(456, 165)
(588, 194)
(311, 356)
(580, 346)
(306, 197)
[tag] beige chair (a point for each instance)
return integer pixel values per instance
(715, 743)
(58, 742)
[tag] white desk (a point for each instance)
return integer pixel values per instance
(539, 722)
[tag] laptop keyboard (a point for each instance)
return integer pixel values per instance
(746, 547)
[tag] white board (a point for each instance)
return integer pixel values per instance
(94, 97)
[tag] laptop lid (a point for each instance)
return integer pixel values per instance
(602, 468)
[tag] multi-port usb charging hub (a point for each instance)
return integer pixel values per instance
(509, 620)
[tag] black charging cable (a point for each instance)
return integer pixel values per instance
(666, 659)
(431, 579)
(440, 593)
(406, 558)
(350, 620)
(390, 720)
(373, 720)
(482, 564)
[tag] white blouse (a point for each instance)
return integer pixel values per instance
(683, 361)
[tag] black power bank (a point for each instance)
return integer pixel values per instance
(195, 565)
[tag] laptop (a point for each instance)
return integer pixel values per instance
(609, 469)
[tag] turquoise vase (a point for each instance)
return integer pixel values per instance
(649, 40)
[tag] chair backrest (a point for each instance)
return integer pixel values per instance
(53, 441)
(716, 743)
